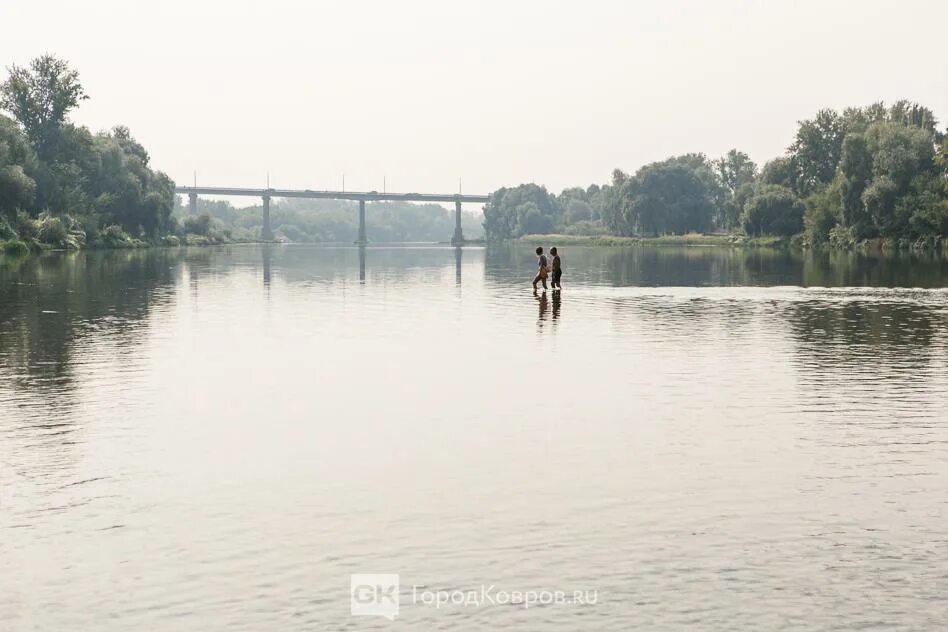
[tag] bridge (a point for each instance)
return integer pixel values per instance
(360, 196)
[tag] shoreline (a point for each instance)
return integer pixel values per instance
(20, 248)
(877, 245)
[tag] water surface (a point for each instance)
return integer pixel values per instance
(709, 439)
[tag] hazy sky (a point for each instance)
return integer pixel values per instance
(558, 93)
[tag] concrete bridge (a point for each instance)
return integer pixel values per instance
(361, 196)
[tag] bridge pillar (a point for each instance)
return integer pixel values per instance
(267, 234)
(458, 238)
(192, 203)
(362, 239)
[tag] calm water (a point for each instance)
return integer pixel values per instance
(705, 439)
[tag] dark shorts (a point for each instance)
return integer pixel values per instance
(556, 275)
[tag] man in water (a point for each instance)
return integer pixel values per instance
(543, 268)
(557, 270)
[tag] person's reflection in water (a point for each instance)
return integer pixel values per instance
(556, 305)
(544, 307)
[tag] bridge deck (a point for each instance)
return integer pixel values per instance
(365, 196)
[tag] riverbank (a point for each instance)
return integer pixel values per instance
(24, 247)
(877, 245)
(690, 239)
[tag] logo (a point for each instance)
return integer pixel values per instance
(373, 595)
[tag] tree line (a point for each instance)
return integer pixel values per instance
(314, 221)
(60, 184)
(863, 173)
(869, 172)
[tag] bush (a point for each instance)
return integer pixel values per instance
(587, 227)
(16, 248)
(198, 224)
(51, 230)
(6, 230)
(821, 215)
(24, 225)
(773, 210)
(114, 236)
(841, 237)
(292, 232)
(198, 240)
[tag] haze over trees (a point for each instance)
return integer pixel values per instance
(872, 172)
(325, 221)
(62, 185)
(863, 173)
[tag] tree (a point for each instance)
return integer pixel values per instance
(17, 188)
(578, 211)
(525, 209)
(779, 171)
(855, 171)
(899, 155)
(815, 151)
(735, 169)
(673, 196)
(198, 224)
(773, 210)
(822, 213)
(737, 172)
(40, 97)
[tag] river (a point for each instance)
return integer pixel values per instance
(683, 438)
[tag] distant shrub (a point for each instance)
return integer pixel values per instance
(6, 230)
(171, 240)
(113, 236)
(24, 225)
(587, 227)
(292, 232)
(15, 248)
(844, 238)
(198, 240)
(241, 234)
(198, 224)
(51, 230)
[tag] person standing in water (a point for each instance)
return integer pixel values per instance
(543, 268)
(557, 270)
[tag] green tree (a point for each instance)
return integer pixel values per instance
(816, 150)
(737, 172)
(735, 169)
(779, 171)
(773, 210)
(899, 155)
(520, 210)
(198, 224)
(17, 189)
(578, 211)
(822, 213)
(40, 97)
(673, 196)
(855, 169)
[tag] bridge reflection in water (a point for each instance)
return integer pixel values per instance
(457, 264)
(267, 252)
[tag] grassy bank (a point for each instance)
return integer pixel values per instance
(24, 247)
(691, 239)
